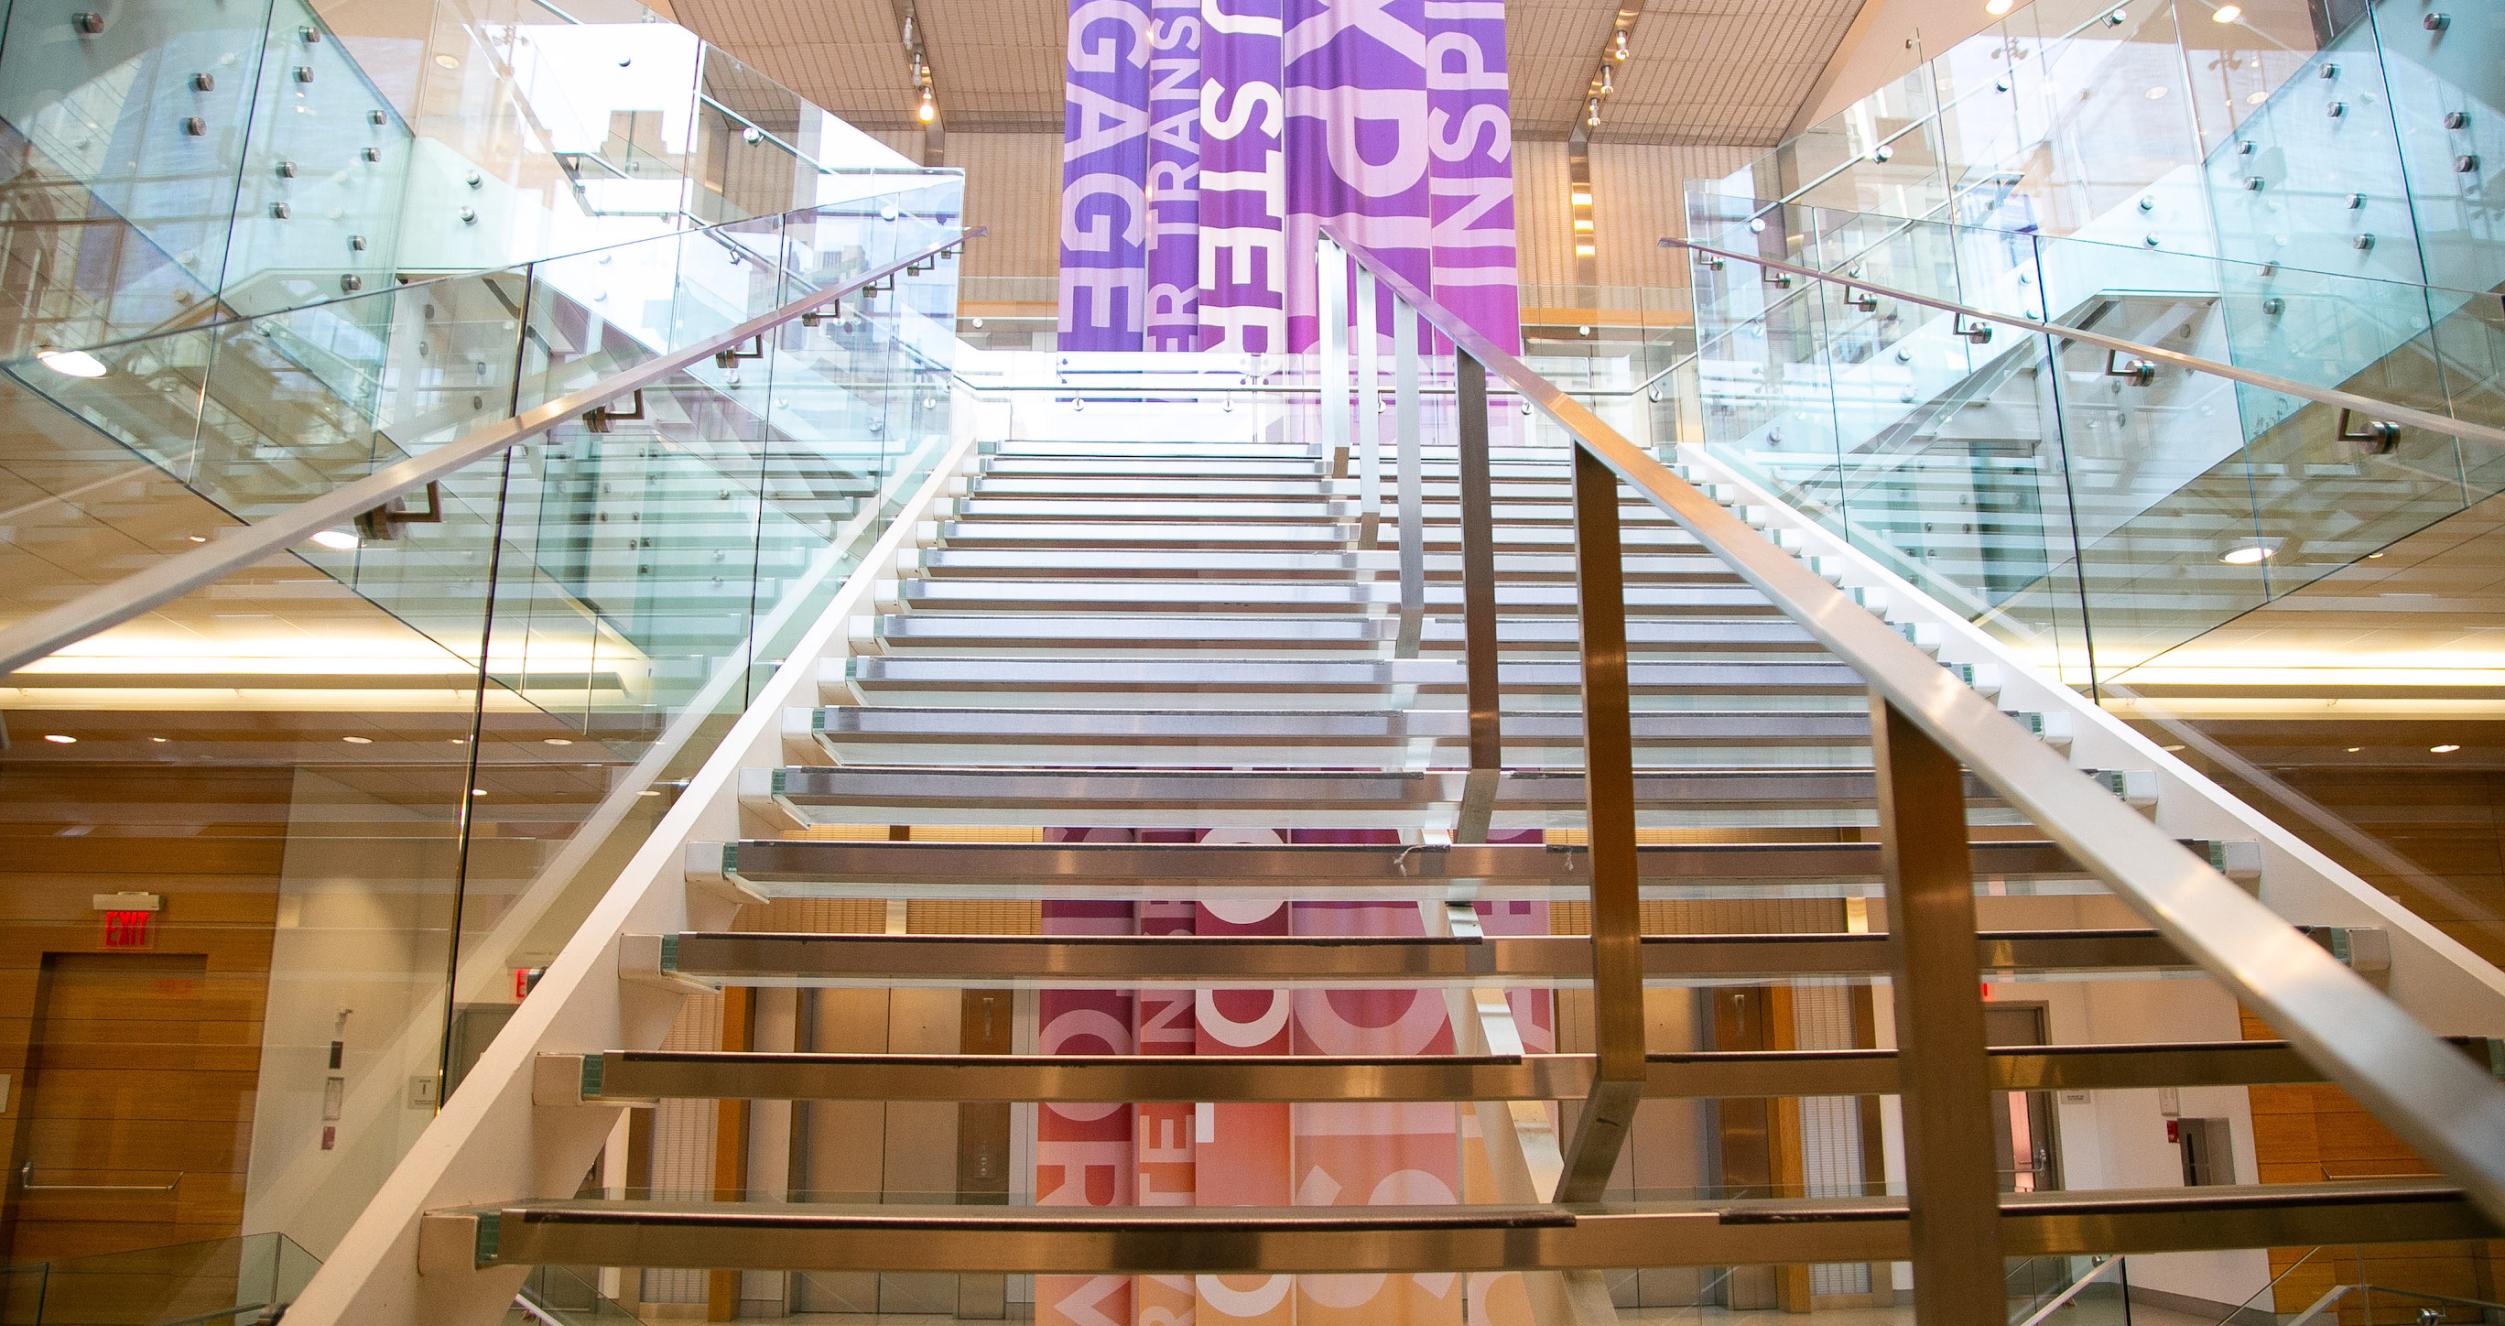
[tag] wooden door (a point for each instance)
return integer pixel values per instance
(135, 1120)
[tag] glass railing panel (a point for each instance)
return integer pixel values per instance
(2446, 74)
(213, 1281)
(2097, 143)
(244, 418)
(747, 151)
(1770, 400)
(2471, 340)
(2242, 56)
(538, 135)
(318, 204)
(122, 147)
(2312, 176)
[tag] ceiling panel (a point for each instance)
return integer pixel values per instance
(1704, 71)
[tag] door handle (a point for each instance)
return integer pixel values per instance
(26, 1181)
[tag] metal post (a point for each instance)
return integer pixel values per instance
(1369, 427)
(1951, 1183)
(1407, 328)
(1331, 301)
(1609, 787)
(1478, 600)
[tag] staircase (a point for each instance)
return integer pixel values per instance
(1193, 640)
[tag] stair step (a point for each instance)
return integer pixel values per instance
(1249, 564)
(770, 868)
(1140, 595)
(565, 1079)
(1281, 536)
(1313, 677)
(1320, 738)
(1134, 631)
(1728, 799)
(1184, 1240)
(1256, 962)
(1634, 510)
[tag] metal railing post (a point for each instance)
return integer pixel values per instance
(1369, 428)
(1951, 1182)
(1330, 272)
(1478, 597)
(1609, 791)
(1407, 330)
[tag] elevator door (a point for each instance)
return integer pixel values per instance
(2023, 1127)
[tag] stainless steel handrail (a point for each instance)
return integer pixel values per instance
(2365, 405)
(2450, 1110)
(112, 604)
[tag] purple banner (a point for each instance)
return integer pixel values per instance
(1471, 122)
(1357, 139)
(1243, 180)
(1174, 175)
(1388, 118)
(1104, 177)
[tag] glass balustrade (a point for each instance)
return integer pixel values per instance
(2265, 132)
(382, 774)
(176, 165)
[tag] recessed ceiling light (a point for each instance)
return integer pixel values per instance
(2446, 749)
(198, 538)
(60, 738)
(160, 740)
(2170, 748)
(337, 540)
(2371, 556)
(2226, 13)
(478, 791)
(447, 60)
(555, 741)
(1996, 8)
(70, 363)
(2248, 554)
(459, 741)
(2256, 98)
(358, 741)
(648, 793)
(2157, 93)
(2354, 749)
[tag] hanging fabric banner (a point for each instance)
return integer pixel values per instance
(1207, 141)
(1104, 177)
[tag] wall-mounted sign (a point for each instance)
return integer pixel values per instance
(129, 918)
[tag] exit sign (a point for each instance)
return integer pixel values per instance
(129, 918)
(128, 929)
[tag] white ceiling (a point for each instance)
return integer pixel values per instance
(1703, 71)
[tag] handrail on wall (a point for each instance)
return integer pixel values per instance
(166, 580)
(1926, 723)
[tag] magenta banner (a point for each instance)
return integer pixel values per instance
(1206, 144)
